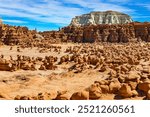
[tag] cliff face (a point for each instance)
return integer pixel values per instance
(15, 34)
(132, 32)
(108, 17)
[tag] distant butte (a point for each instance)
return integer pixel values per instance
(107, 17)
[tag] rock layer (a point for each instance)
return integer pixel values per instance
(15, 34)
(132, 32)
(107, 17)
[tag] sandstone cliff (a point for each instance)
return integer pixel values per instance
(132, 32)
(108, 17)
(15, 34)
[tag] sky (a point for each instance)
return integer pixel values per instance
(47, 15)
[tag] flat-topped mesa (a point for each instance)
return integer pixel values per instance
(107, 17)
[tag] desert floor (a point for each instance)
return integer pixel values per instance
(27, 82)
(41, 81)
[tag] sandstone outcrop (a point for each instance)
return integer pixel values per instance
(4, 66)
(132, 32)
(107, 17)
(15, 34)
(148, 95)
(83, 95)
(121, 70)
(62, 95)
(114, 33)
(144, 86)
(114, 86)
(125, 91)
(47, 96)
(95, 92)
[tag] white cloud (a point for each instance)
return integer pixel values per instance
(141, 16)
(54, 11)
(147, 6)
(120, 1)
(14, 21)
(102, 6)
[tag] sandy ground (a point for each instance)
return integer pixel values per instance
(33, 82)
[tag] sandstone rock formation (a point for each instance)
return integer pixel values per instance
(5, 65)
(107, 17)
(114, 33)
(131, 32)
(144, 86)
(117, 69)
(15, 34)
(95, 92)
(148, 95)
(125, 91)
(62, 95)
(83, 95)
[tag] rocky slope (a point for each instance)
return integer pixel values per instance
(108, 17)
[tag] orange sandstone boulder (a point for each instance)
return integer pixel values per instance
(95, 92)
(83, 95)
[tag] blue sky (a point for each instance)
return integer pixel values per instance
(52, 14)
